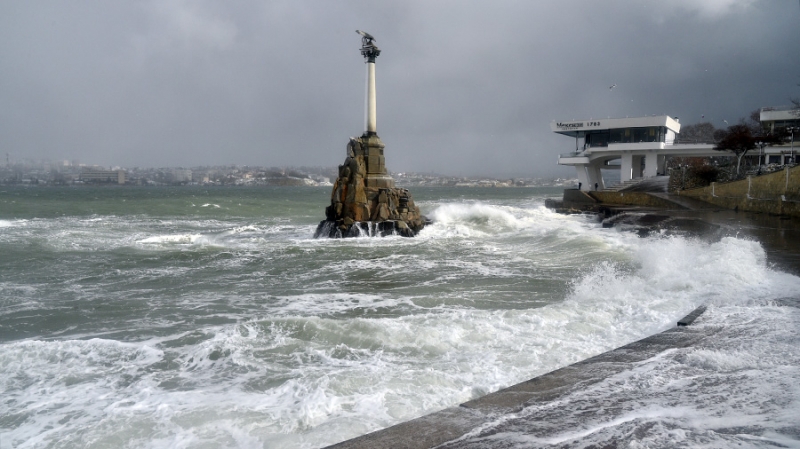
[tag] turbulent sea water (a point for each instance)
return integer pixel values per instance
(210, 318)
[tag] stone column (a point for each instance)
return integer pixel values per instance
(377, 175)
(370, 51)
(372, 103)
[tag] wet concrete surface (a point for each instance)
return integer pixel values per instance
(457, 427)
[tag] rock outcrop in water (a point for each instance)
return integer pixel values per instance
(365, 201)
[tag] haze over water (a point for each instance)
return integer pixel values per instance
(192, 317)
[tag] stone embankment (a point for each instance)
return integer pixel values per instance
(776, 193)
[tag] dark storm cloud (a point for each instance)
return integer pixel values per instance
(463, 87)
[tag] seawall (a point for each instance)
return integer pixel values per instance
(776, 193)
(577, 200)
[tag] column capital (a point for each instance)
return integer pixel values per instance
(370, 51)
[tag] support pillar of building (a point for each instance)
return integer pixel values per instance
(626, 167)
(662, 165)
(583, 177)
(651, 165)
(596, 178)
(637, 166)
(364, 200)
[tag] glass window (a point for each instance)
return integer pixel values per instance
(599, 139)
(636, 135)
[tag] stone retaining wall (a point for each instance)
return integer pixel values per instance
(775, 193)
(642, 199)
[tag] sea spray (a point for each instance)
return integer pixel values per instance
(233, 327)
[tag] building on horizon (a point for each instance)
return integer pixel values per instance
(103, 176)
(181, 175)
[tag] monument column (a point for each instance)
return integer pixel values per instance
(371, 52)
(364, 200)
(377, 176)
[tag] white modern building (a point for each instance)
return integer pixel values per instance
(636, 146)
(774, 118)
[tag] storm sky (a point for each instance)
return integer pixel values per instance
(464, 87)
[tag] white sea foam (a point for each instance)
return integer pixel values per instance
(732, 389)
(181, 239)
(479, 220)
(738, 387)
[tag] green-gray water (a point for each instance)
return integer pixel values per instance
(210, 317)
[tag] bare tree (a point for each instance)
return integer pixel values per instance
(699, 132)
(737, 139)
(743, 137)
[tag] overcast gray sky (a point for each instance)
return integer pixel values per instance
(464, 87)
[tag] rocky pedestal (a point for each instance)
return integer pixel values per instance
(365, 201)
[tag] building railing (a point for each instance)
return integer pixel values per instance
(688, 141)
(572, 154)
(779, 108)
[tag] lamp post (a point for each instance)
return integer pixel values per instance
(791, 130)
(760, 144)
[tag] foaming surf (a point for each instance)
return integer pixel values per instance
(166, 331)
(485, 220)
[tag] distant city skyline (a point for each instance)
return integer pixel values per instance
(463, 87)
(45, 172)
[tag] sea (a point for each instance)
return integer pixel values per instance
(209, 317)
